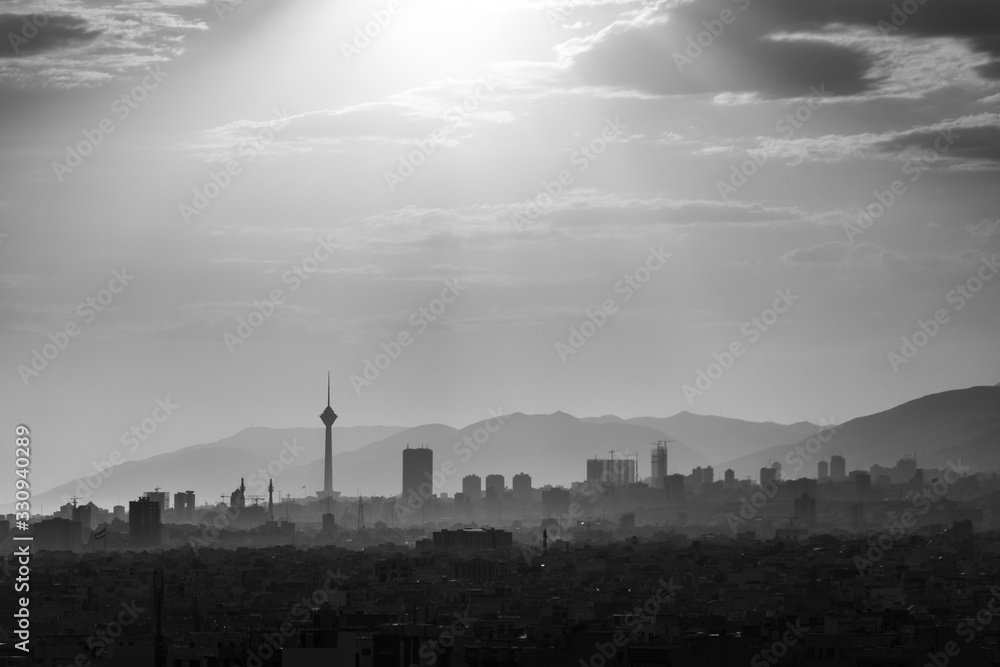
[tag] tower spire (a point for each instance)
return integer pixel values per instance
(328, 417)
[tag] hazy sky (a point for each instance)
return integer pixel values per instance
(182, 164)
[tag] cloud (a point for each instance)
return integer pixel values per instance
(776, 49)
(23, 37)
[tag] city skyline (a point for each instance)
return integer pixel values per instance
(816, 264)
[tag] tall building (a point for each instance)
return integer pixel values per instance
(804, 508)
(184, 507)
(708, 475)
(555, 502)
(674, 487)
(237, 499)
(119, 511)
(56, 534)
(472, 487)
(521, 485)
(658, 465)
(144, 522)
(838, 468)
(418, 471)
(768, 475)
(84, 514)
(862, 483)
(614, 472)
(730, 477)
(179, 504)
(162, 497)
(328, 416)
(495, 482)
(823, 471)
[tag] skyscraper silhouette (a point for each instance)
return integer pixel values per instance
(328, 416)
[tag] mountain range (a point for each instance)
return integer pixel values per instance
(961, 424)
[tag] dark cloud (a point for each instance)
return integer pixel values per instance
(749, 54)
(969, 143)
(28, 34)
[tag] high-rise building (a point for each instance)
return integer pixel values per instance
(328, 416)
(555, 502)
(119, 511)
(162, 497)
(862, 483)
(144, 522)
(56, 534)
(85, 515)
(658, 464)
(238, 499)
(472, 487)
(838, 468)
(495, 482)
(707, 475)
(768, 475)
(418, 472)
(184, 507)
(804, 508)
(730, 477)
(614, 472)
(521, 485)
(674, 487)
(823, 471)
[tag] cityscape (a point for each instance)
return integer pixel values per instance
(833, 566)
(500, 333)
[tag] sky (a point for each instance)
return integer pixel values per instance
(778, 210)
